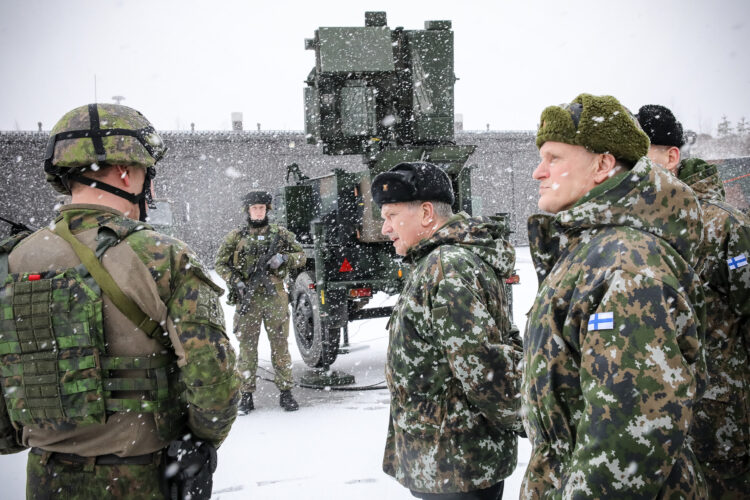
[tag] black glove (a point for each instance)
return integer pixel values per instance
(234, 280)
(241, 290)
(189, 468)
(237, 285)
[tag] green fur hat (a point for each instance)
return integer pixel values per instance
(598, 123)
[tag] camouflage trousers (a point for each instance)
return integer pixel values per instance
(720, 440)
(273, 313)
(727, 480)
(58, 480)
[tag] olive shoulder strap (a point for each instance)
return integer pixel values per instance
(125, 304)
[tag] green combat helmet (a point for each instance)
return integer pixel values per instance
(98, 135)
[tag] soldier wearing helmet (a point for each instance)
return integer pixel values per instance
(254, 260)
(95, 136)
(117, 370)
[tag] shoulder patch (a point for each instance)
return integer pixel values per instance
(602, 321)
(737, 262)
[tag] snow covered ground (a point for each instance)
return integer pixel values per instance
(333, 446)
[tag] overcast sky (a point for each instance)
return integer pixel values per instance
(197, 61)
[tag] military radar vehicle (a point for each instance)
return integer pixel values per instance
(387, 95)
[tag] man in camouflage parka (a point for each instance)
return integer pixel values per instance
(720, 436)
(453, 359)
(169, 377)
(613, 345)
(254, 260)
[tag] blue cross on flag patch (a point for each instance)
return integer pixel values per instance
(602, 321)
(738, 261)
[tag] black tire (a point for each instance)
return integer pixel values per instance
(309, 326)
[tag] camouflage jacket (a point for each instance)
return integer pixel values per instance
(613, 355)
(239, 255)
(452, 363)
(721, 433)
(182, 298)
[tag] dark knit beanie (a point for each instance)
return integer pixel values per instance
(257, 198)
(414, 181)
(660, 125)
(598, 123)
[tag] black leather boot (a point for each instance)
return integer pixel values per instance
(246, 403)
(287, 401)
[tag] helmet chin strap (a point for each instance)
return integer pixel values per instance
(145, 198)
(137, 199)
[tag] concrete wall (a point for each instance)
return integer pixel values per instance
(205, 174)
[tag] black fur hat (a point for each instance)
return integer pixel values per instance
(412, 181)
(661, 126)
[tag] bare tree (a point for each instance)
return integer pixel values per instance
(724, 128)
(741, 128)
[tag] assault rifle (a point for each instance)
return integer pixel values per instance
(258, 276)
(18, 227)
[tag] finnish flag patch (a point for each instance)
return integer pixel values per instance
(602, 321)
(736, 262)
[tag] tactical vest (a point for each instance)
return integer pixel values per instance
(54, 367)
(251, 248)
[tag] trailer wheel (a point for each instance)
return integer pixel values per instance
(309, 327)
